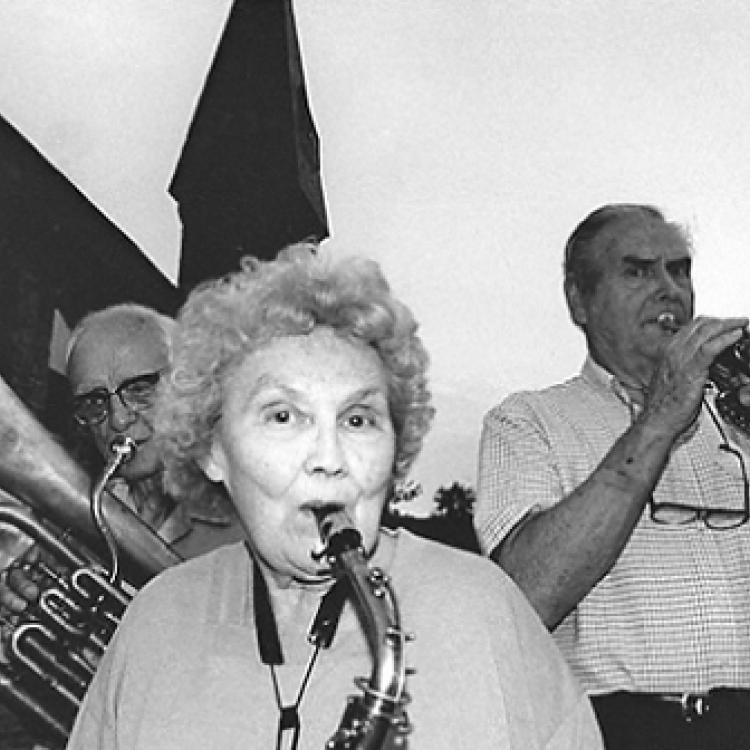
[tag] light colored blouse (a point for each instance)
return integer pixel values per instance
(183, 671)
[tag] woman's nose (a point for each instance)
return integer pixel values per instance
(326, 454)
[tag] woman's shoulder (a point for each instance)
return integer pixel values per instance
(185, 585)
(426, 563)
(444, 591)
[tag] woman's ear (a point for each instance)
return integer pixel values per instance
(214, 463)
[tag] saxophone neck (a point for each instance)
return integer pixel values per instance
(376, 720)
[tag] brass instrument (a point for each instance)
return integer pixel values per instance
(376, 719)
(724, 373)
(53, 648)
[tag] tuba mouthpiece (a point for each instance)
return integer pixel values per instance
(122, 449)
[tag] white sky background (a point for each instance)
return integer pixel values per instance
(461, 143)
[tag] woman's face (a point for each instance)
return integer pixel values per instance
(305, 425)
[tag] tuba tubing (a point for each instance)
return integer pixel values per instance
(37, 470)
(50, 651)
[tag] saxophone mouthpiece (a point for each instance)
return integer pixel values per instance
(337, 531)
(668, 322)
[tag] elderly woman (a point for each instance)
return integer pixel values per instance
(300, 385)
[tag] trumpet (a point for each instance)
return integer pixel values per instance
(724, 373)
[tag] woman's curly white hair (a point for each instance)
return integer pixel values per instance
(226, 319)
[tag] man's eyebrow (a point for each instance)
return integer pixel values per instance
(687, 262)
(636, 260)
(92, 391)
(639, 262)
(148, 377)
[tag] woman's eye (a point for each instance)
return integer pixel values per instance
(360, 419)
(278, 415)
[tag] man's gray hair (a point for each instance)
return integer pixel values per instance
(125, 312)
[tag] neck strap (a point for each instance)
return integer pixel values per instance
(322, 630)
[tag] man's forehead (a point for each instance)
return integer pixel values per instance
(118, 349)
(645, 240)
(140, 333)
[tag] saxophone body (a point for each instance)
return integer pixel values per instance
(375, 719)
(96, 554)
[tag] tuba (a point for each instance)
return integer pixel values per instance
(102, 554)
(376, 719)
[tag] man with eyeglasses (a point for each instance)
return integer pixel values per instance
(114, 360)
(618, 500)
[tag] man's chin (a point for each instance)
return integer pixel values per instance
(139, 471)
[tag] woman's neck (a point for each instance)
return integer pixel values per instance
(293, 608)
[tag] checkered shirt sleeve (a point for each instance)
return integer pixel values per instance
(673, 614)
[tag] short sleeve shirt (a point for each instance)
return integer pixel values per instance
(673, 614)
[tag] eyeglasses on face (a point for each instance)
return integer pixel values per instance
(135, 394)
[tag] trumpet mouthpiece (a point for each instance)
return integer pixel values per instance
(668, 322)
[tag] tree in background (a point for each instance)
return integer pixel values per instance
(450, 522)
(456, 501)
(453, 517)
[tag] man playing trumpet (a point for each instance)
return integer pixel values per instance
(618, 500)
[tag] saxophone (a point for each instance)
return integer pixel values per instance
(376, 719)
(50, 651)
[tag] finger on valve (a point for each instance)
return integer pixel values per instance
(19, 584)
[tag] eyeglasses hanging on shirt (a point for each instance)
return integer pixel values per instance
(718, 519)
